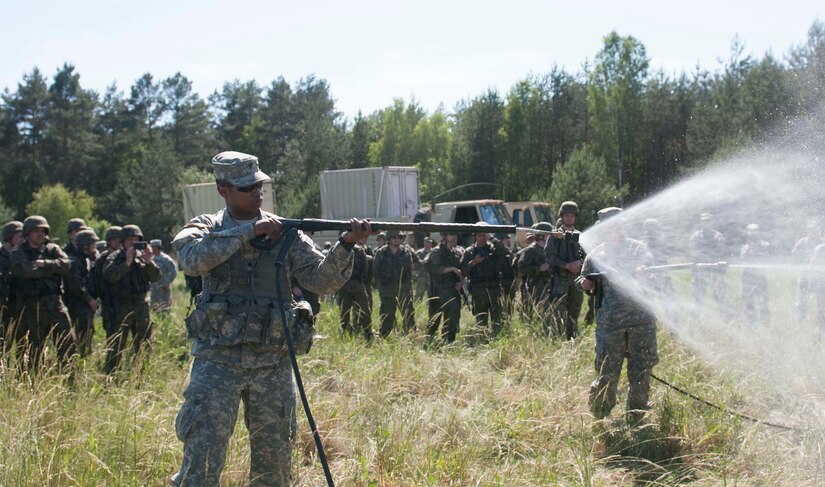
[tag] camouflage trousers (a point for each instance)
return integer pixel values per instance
(209, 412)
(638, 345)
(566, 302)
(131, 317)
(41, 319)
(445, 311)
(161, 300)
(355, 310)
(391, 303)
(487, 308)
(83, 324)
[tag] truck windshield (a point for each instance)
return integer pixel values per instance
(543, 214)
(495, 214)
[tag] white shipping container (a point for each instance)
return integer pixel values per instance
(388, 193)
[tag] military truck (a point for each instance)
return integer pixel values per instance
(202, 198)
(526, 213)
(471, 211)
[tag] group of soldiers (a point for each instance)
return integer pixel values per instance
(484, 276)
(53, 293)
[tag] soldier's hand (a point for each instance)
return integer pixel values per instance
(270, 227)
(477, 260)
(587, 285)
(130, 255)
(40, 263)
(360, 229)
(93, 305)
(544, 267)
(575, 267)
(458, 286)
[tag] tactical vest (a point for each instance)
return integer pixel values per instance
(239, 303)
(43, 286)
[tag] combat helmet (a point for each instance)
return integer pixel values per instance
(394, 233)
(569, 207)
(75, 224)
(34, 221)
(543, 226)
(130, 231)
(85, 237)
(112, 232)
(10, 228)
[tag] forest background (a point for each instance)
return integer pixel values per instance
(612, 133)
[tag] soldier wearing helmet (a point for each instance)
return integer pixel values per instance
(129, 272)
(802, 252)
(754, 280)
(12, 236)
(447, 281)
(102, 290)
(708, 245)
(80, 298)
(39, 267)
(535, 270)
(161, 295)
(482, 265)
(393, 266)
(565, 257)
(74, 226)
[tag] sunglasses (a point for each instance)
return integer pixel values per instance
(250, 188)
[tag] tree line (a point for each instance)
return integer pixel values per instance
(613, 132)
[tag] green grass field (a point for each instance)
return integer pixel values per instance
(509, 413)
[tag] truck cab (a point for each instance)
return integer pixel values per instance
(526, 213)
(471, 211)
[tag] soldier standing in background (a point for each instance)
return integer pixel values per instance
(12, 236)
(624, 329)
(75, 225)
(706, 246)
(101, 289)
(565, 257)
(422, 277)
(393, 267)
(129, 271)
(445, 262)
(482, 264)
(80, 298)
(354, 303)
(755, 281)
(508, 277)
(38, 268)
(802, 254)
(533, 265)
(160, 290)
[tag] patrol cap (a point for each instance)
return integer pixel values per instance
(35, 221)
(608, 212)
(237, 168)
(75, 224)
(86, 237)
(112, 232)
(544, 226)
(10, 228)
(569, 207)
(155, 243)
(130, 231)
(381, 235)
(705, 217)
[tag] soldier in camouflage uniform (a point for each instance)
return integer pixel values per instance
(237, 329)
(707, 245)
(755, 281)
(565, 257)
(422, 276)
(624, 329)
(353, 296)
(38, 268)
(447, 280)
(393, 268)
(508, 277)
(802, 252)
(129, 271)
(482, 264)
(533, 265)
(72, 228)
(12, 236)
(101, 289)
(160, 290)
(80, 301)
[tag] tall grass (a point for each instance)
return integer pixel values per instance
(396, 413)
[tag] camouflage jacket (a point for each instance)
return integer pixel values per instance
(209, 243)
(78, 283)
(486, 273)
(394, 271)
(618, 309)
(707, 246)
(5, 276)
(559, 252)
(34, 281)
(168, 271)
(530, 260)
(129, 280)
(440, 258)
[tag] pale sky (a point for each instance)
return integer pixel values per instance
(373, 51)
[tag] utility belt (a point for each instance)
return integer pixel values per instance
(229, 320)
